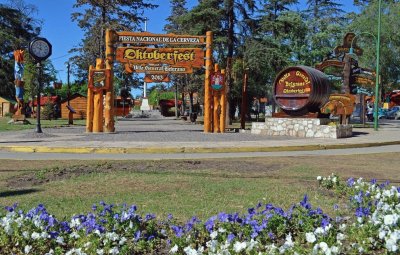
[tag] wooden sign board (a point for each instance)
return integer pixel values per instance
(348, 39)
(157, 69)
(150, 38)
(99, 79)
(363, 81)
(329, 63)
(156, 78)
(191, 57)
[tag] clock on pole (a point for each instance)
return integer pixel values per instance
(40, 49)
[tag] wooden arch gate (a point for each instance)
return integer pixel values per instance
(129, 49)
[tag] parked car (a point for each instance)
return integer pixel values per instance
(397, 115)
(391, 113)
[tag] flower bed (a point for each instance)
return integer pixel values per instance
(368, 224)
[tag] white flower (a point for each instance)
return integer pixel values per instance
(310, 237)
(74, 235)
(60, 240)
(212, 244)
(35, 235)
(323, 246)
(214, 234)
(340, 236)
(390, 219)
(288, 242)
(252, 244)
(174, 249)
(319, 178)
(51, 252)
(112, 236)
(382, 234)
(221, 230)
(113, 251)
(122, 240)
(27, 249)
(391, 245)
(334, 250)
(239, 246)
(190, 251)
(75, 223)
(25, 234)
(44, 235)
(99, 251)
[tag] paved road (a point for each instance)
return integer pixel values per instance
(169, 138)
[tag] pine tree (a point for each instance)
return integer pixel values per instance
(325, 21)
(95, 18)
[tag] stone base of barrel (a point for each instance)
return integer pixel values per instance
(301, 127)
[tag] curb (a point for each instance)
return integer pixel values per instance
(170, 150)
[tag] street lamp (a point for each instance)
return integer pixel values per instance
(378, 43)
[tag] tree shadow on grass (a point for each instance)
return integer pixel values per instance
(19, 192)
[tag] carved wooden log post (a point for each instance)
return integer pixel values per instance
(207, 83)
(98, 103)
(109, 99)
(223, 102)
(216, 103)
(89, 108)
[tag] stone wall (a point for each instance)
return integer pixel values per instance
(301, 127)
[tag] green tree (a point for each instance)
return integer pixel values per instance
(94, 17)
(325, 21)
(17, 28)
(364, 25)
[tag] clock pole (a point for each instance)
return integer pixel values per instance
(40, 49)
(38, 126)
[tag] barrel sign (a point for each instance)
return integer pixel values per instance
(301, 89)
(156, 78)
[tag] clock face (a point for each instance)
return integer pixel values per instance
(40, 49)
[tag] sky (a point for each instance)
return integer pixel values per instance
(64, 34)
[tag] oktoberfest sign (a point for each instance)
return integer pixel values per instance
(192, 57)
(150, 38)
(157, 69)
(156, 78)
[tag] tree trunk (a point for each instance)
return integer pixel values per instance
(230, 46)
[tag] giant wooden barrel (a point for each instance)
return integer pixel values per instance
(301, 89)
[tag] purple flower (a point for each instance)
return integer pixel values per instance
(304, 203)
(230, 237)
(325, 222)
(350, 182)
(137, 235)
(271, 235)
(210, 224)
(223, 217)
(269, 207)
(177, 230)
(150, 217)
(11, 208)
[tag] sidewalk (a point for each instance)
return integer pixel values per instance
(177, 136)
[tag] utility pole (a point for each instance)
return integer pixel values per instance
(70, 118)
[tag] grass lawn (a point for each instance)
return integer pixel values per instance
(183, 188)
(4, 126)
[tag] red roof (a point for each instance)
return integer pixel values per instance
(46, 99)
